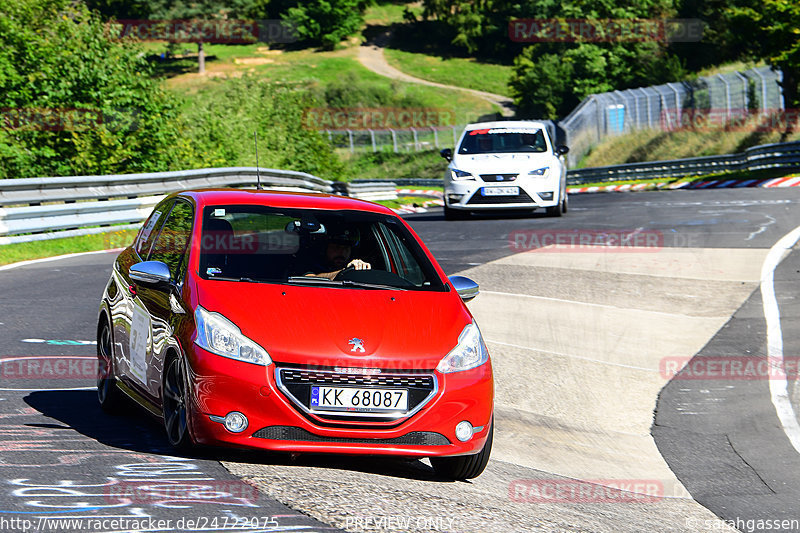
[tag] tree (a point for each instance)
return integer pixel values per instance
(326, 22)
(74, 100)
(197, 13)
(771, 31)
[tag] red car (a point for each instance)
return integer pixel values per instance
(296, 322)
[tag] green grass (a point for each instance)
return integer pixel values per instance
(386, 13)
(390, 166)
(651, 145)
(405, 200)
(24, 251)
(461, 72)
(319, 69)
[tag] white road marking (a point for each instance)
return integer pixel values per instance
(570, 356)
(778, 387)
(56, 258)
(763, 227)
(603, 306)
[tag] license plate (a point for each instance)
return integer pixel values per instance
(500, 191)
(355, 399)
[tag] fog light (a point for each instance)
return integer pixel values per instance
(545, 195)
(454, 198)
(464, 431)
(235, 422)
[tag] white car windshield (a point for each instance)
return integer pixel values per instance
(502, 140)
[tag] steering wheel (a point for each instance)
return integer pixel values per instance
(343, 272)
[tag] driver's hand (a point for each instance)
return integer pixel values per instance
(358, 264)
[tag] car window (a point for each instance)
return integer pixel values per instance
(502, 140)
(277, 245)
(151, 228)
(171, 244)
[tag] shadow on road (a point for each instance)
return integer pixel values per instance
(138, 431)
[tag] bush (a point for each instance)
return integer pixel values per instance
(57, 60)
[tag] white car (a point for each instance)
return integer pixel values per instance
(505, 165)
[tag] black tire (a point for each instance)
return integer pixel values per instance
(109, 396)
(464, 466)
(556, 210)
(175, 405)
(454, 214)
(565, 204)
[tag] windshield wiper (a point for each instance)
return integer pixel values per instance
(342, 283)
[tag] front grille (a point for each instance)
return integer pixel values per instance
(415, 438)
(299, 376)
(479, 199)
(296, 383)
(492, 178)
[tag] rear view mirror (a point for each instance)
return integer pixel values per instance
(152, 273)
(447, 153)
(561, 149)
(465, 287)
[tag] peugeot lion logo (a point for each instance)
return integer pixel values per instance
(358, 345)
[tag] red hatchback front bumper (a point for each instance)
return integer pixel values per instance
(220, 385)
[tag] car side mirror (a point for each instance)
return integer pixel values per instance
(562, 149)
(447, 153)
(465, 287)
(151, 273)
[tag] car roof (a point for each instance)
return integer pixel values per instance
(285, 199)
(527, 124)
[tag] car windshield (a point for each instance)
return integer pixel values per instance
(502, 140)
(303, 246)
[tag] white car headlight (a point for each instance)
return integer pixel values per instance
(219, 335)
(470, 352)
(458, 175)
(539, 171)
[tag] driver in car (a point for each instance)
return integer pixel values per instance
(338, 250)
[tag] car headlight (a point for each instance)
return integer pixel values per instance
(458, 175)
(219, 335)
(470, 352)
(539, 171)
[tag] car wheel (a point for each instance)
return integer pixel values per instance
(175, 405)
(454, 214)
(464, 466)
(556, 210)
(565, 204)
(108, 394)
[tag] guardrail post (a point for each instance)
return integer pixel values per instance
(350, 138)
(372, 138)
(416, 140)
(394, 140)
(435, 137)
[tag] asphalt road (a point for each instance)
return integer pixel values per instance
(62, 455)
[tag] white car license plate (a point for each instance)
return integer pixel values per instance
(500, 191)
(354, 399)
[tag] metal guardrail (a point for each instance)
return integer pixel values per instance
(783, 155)
(77, 215)
(39, 190)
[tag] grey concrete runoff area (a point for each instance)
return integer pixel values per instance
(596, 430)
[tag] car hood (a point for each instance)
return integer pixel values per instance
(502, 163)
(315, 325)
